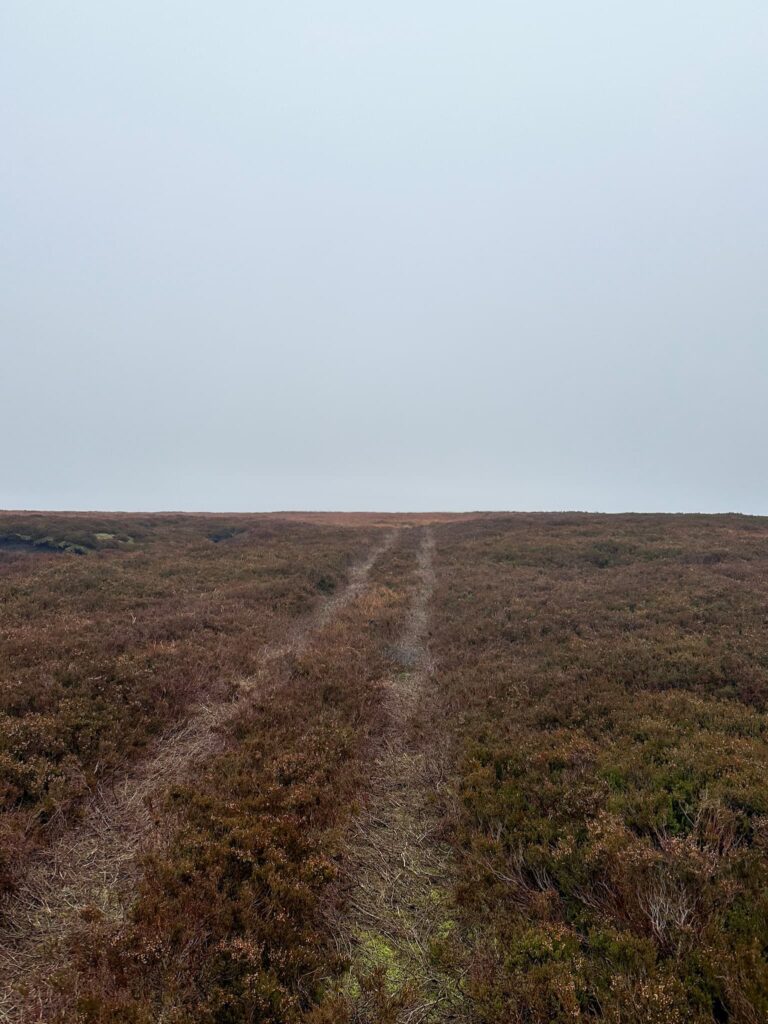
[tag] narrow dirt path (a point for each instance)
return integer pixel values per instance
(399, 924)
(93, 866)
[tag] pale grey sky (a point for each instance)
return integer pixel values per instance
(421, 254)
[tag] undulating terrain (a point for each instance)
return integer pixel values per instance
(492, 768)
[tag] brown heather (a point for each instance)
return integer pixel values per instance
(604, 680)
(101, 651)
(514, 776)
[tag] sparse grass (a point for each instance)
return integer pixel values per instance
(396, 923)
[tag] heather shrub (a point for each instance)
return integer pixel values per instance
(604, 680)
(101, 652)
(230, 922)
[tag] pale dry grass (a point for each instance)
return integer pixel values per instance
(397, 915)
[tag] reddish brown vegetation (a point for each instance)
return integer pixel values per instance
(599, 702)
(228, 924)
(605, 679)
(99, 652)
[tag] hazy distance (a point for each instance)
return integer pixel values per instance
(407, 256)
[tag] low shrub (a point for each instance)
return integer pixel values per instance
(605, 684)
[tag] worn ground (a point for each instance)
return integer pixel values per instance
(399, 906)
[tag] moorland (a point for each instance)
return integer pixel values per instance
(330, 768)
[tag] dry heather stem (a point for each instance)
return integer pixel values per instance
(399, 912)
(92, 868)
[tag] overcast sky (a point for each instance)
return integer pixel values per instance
(407, 255)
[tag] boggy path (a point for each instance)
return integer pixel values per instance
(93, 865)
(398, 925)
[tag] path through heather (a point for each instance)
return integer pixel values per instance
(93, 866)
(398, 884)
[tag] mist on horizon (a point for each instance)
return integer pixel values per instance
(408, 258)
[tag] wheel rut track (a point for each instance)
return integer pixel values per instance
(95, 864)
(398, 884)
